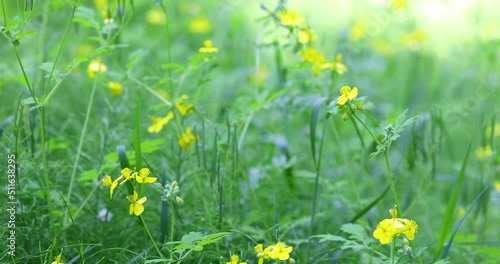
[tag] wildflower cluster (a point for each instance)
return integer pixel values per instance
(278, 251)
(387, 229)
(305, 37)
(134, 178)
(170, 193)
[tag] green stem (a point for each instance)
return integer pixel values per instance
(316, 186)
(169, 48)
(60, 48)
(367, 129)
(151, 237)
(393, 248)
(80, 145)
(387, 164)
(391, 181)
(172, 225)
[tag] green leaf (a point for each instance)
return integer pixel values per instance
(329, 238)
(88, 176)
(355, 231)
(25, 34)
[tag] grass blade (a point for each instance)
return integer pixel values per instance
(452, 203)
(137, 134)
(448, 245)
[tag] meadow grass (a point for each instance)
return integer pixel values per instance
(249, 132)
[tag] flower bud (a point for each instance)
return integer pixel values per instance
(345, 116)
(405, 241)
(291, 260)
(360, 107)
(174, 184)
(179, 200)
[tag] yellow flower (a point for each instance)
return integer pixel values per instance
(409, 229)
(346, 94)
(399, 4)
(128, 174)
(200, 25)
(159, 122)
(262, 253)
(335, 66)
(95, 67)
(235, 260)
(461, 211)
(143, 176)
(357, 31)
(100, 4)
(184, 108)
(290, 18)
(115, 88)
(107, 181)
(306, 35)
(312, 55)
(414, 39)
(280, 251)
(387, 229)
(156, 17)
(338, 67)
(484, 152)
(186, 139)
(497, 185)
(208, 47)
(58, 260)
(136, 206)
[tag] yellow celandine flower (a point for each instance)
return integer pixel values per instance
(156, 17)
(159, 122)
(107, 181)
(357, 31)
(95, 67)
(136, 205)
(399, 4)
(186, 139)
(346, 94)
(128, 174)
(387, 229)
(336, 66)
(262, 253)
(312, 55)
(306, 35)
(461, 211)
(315, 58)
(115, 88)
(143, 176)
(484, 152)
(235, 260)
(290, 18)
(58, 260)
(200, 25)
(414, 39)
(184, 108)
(280, 251)
(208, 47)
(497, 185)
(101, 4)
